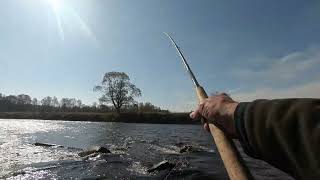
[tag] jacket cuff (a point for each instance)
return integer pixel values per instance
(239, 118)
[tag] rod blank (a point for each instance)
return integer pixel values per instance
(230, 156)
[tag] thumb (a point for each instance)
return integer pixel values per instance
(196, 114)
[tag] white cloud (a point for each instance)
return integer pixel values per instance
(298, 75)
(299, 69)
(308, 90)
(284, 69)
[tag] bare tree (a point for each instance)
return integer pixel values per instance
(47, 101)
(73, 102)
(117, 89)
(24, 99)
(34, 102)
(55, 102)
(65, 102)
(12, 99)
(79, 103)
(148, 107)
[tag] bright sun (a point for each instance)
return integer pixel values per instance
(56, 4)
(61, 11)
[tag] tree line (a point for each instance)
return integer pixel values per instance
(118, 95)
(25, 103)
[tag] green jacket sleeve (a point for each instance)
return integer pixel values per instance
(284, 132)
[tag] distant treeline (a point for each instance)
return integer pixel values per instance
(25, 103)
(126, 117)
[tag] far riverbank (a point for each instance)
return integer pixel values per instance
(153, 118)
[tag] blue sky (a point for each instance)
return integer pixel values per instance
(251, 49)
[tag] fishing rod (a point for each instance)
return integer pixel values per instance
(230, 156)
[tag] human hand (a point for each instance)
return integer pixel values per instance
(217, 110)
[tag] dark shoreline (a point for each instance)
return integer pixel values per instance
(152, 118)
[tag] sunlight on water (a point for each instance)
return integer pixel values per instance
(134, 149)
(16, 149)
(136, 167)
(27, 126)
(42, 174)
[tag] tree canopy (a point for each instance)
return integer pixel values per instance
(117, 89)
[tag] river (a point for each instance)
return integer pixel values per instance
(134, 147)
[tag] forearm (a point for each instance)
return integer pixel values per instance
(285, 133)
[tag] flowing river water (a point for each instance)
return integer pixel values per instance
(134, 147)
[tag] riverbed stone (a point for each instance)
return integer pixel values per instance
(47, 145)
(94, 149)
(188, 148)
(161, 166)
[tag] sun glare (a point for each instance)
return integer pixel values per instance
(63, 14)
(55, 4)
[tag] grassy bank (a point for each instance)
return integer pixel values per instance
(159, 118)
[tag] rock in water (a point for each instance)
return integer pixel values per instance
(46, 145)
(161, 166)
(188, 148)
(94, 149)
(180, 144)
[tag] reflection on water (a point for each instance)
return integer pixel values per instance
(134, 147)
(16, 149)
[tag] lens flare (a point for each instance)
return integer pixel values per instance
(55, 4)
(66, 15)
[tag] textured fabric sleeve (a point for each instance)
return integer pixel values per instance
(284, 132)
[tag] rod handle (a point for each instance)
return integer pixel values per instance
(230, 156)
